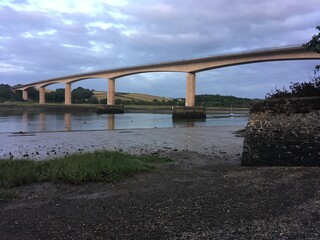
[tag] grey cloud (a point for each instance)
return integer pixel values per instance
(161, 30)
(11, 18)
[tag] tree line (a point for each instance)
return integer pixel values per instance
(81, 95)
(209, 100)
(7, 94)
(78, 95)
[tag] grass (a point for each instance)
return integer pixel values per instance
(99, 166)
(241, 132)
(7, 194)
(142, 97)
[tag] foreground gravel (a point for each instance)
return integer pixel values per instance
(194, 197)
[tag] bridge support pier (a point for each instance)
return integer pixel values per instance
(67, 93)
(111, 91)
(111, 107)
(42, 95)
(180, 113)
(189, 111)
(190, 89)
(25, 94)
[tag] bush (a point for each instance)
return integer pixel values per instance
(305, 89)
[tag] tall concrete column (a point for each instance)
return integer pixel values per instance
(25, 94)
(67, 93)
(42, 95)
(111, 92)
(190, 89)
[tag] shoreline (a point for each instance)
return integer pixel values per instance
(8, 108)
(43, 145)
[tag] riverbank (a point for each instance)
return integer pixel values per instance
(202, 194)
(14, 107)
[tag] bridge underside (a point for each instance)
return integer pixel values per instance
(190, 67)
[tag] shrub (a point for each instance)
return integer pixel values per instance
(304, 89)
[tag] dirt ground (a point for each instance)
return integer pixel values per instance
(197, 196)
(180, 200)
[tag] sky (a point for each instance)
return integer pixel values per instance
(53, 38)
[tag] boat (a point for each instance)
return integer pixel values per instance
(231, 114)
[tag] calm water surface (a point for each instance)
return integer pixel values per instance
(46, 122)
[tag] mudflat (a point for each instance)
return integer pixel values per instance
(46, 145)
(203, 193)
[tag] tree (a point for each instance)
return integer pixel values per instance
(7, 94)
(59, 95)
(93, 100)
(305, 89)
(314, 45)
(33, 94)
(81, 95)
(5, 91)
(56, 96)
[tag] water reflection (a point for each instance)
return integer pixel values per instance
(110, 122)
(183, 123)
(42, 122)
(57, 121)
(187, 122)
(67, 121)
(25, 122)
(190, 124)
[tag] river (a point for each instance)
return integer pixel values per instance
(51, 122)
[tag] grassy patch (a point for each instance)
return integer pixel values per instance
(241, 132)
(6, 194)
(75, 169)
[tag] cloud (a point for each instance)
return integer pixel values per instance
(38, 34)
(45, 39)
(6, 68)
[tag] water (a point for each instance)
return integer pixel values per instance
(47, 122)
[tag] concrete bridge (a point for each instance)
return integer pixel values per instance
(188, 66)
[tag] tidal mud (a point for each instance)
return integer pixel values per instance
(205, 140)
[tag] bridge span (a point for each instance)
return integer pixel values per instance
(188, 66)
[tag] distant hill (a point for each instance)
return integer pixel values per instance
(131, 96)
(217, 100)
(207, 100)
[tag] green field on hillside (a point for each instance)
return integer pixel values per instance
(86, 96)
(130, 96)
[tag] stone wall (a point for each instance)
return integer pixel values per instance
(283, 132)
